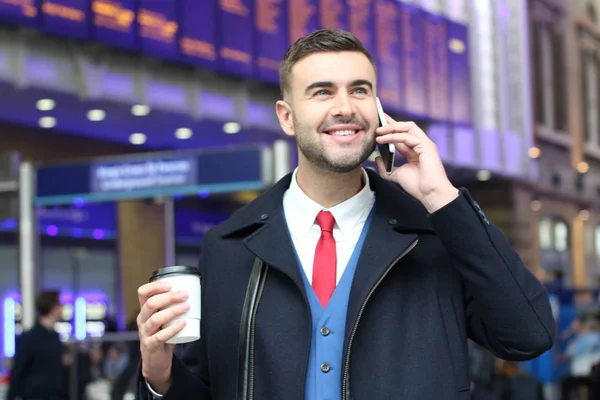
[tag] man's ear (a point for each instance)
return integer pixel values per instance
(285, 116)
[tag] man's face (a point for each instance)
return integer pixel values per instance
(331, 109)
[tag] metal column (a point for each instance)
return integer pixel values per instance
(169, 206)
(28, 243)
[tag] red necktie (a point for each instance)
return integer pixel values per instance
(324, 276)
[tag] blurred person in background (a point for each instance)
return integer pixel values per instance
(582, 353)
(370, 283)
(37, 372)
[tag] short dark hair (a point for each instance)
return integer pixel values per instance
(46, 301)
(319, 41)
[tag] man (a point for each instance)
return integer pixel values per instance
(37, 372)
(374, 297)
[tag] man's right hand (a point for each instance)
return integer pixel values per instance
(155, 312)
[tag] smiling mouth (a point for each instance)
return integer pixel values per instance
(345, 132)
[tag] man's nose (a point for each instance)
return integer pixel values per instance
(343, 107)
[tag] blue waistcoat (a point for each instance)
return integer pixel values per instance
(324, 373)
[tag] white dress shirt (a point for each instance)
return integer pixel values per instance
(350, 217)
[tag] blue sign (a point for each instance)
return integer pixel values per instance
(143, 175)
(151, 175)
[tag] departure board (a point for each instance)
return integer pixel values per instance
(271, 38)
(361, 22)
(302, 18)
(67, 17)
(236, 36)
(20, 11)
(460, 76)
(436, 45)
(157, 24)
(113, 22)
(413, 58)
(388, 54)
(198, 32)
(333, 14)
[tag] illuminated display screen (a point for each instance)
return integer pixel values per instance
(360, 22)
(157, 24)
(67, 17)
(460, 76)
(198, 32)
(19, 11)
(388, 54)
(436, 36)
(96, 311)
(271, 40)
(236, 36)
(413, 56)
(422, 59)
(302, 18)
(333, 14)
(113, 22)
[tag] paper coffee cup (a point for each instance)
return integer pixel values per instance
(186, 279)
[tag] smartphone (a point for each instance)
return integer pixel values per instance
(387, 151)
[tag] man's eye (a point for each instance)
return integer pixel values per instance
(360, 90)
(321, 92)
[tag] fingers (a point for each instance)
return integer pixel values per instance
(160, 318)
(402, 126)
(150, 289)
(158, 339)
(158, 302)
(403, 138)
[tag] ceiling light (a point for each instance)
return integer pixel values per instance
(140, 110)
(583, 167)
(231, 128)
(96, 115)
(137, 138)
(183, 133)
(584, 215)
(536, 205)
(47, 122)
(45, 104)
(534, 152)
(484, 175)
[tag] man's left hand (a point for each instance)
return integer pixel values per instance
(423, 175)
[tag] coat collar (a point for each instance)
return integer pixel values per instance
(396, 224)
(403, 212)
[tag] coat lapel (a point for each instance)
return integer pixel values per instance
(273, 244)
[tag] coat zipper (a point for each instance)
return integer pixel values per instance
(360, 312)
(252, 334)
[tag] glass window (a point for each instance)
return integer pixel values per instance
(561, 233)
(598, 241)
(545, 233)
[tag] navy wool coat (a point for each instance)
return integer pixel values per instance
(424, 283)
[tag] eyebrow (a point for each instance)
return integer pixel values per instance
(328, 84)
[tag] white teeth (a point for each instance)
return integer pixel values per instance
(343, 133)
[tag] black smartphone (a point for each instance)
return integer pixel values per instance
(387, 151)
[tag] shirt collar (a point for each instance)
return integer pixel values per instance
(301, 211)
